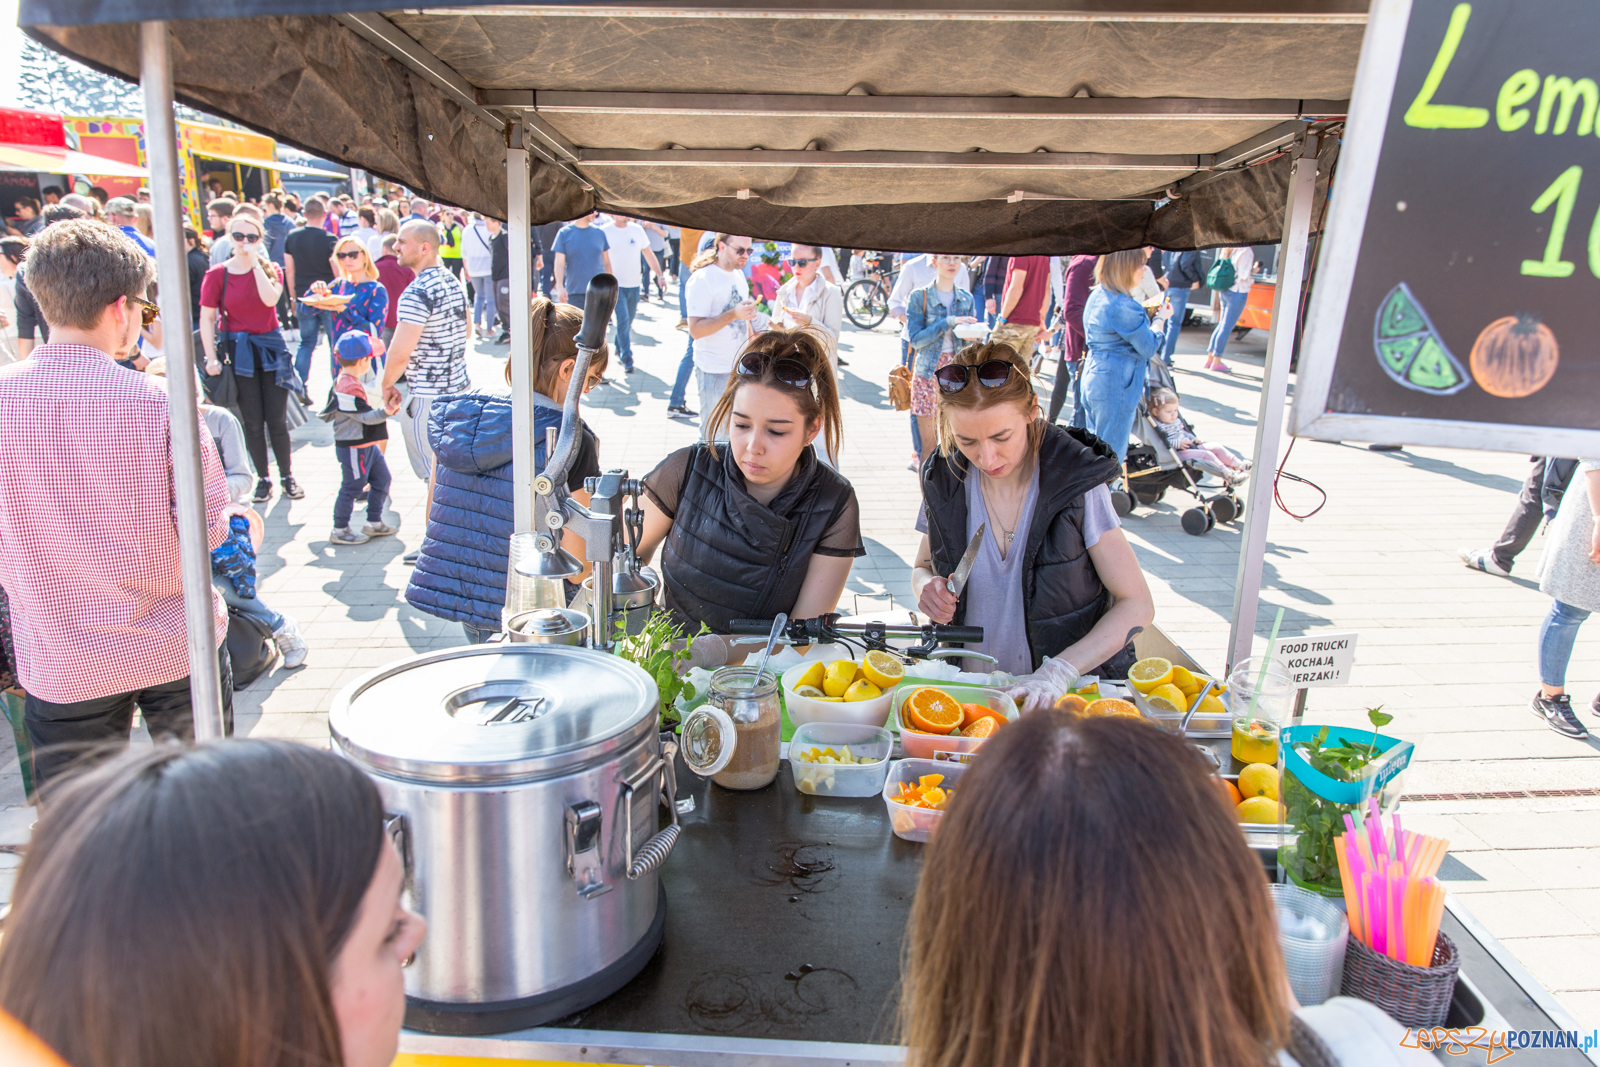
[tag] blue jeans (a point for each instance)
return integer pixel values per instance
(312, 322)
(907, 357)
(622, 328)
(1179, 299)
(1111, 388)
(483, 303)
(1557, 634)
(683, 285)
(253, 606)
(1232, 307)
(680, 386)
(477, 635)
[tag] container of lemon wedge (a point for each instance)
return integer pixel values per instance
(842, 690)
(840, 759)
(1164, 692)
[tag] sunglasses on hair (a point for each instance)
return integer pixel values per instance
(991, 374)
(247, 238)
(790, 372)
(148, 312)
(348, 255)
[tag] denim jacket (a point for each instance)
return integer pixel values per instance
(925, 321)
(269, 353)
(1115, 324)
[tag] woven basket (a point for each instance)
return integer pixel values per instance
(1413, 996)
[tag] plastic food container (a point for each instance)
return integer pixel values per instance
(923, 746)
(909, 823)
(804, 710)
(841, 780)
(1212, 725)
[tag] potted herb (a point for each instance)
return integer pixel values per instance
(1326, 776)
(659, 648)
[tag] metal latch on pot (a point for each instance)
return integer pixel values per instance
(583, 849)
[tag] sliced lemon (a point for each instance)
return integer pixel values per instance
(810, 691)
(862, 690)
(882, 669)
(811, 676)
(1149, 673)
(1211, 707)
(830, 700)
(1168, 699)
(1184, 679)
(840, 673)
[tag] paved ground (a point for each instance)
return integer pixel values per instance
(1449, 652)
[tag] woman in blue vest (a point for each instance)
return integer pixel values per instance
(461, 572)
(1055, 585)
(754, 525)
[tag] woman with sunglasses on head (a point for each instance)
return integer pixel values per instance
(756, 524)
(355, 276)
(932, 314)
(1055, 584)
(238, 311)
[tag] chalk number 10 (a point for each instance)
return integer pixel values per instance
(1562, 194)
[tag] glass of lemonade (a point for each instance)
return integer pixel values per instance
(1255, 731)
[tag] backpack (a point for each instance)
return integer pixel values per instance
(249, 647)
(1221, 275)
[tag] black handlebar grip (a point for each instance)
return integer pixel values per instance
(966, 635)
(597, 308)
(748, 627)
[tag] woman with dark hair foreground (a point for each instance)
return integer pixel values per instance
(1089, 901)
(230, 905)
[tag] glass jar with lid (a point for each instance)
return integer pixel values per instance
(733, 739)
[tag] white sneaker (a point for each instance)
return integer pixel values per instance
(346, 536)
(1481, 559)
(291, 646)
(377, 529)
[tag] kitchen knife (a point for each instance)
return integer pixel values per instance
(958, 581)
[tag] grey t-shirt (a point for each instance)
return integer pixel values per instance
(994, 589)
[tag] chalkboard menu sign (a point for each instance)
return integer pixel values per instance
(1457, 295)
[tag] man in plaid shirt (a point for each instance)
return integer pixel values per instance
(88, 541)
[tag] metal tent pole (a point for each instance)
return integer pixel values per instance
(172, 272)
(519, 238)
(1274, 393)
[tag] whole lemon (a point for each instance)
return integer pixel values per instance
(1259, 810)
(862, 690)
(1259, 780)
(840, 673)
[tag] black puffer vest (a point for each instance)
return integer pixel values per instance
(728, 557)
(1062, 595)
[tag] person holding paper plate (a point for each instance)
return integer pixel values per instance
(932, 315)
(1054, 583)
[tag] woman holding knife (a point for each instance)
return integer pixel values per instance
(1055, 584)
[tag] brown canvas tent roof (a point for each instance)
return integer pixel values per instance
(1048, 127)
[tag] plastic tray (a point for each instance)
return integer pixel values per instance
(922, 746)
(836, 780)
(1199, 726)
(916, 824)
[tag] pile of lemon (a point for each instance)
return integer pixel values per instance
(1256, 797)
(846, 681)
(1170, 689)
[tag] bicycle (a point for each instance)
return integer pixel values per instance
(866, 300)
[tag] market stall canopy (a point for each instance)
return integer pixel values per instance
(1050, 127)
(272, 164)
(48, 160)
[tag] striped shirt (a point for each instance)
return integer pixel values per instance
(436, 301)
(88, 541)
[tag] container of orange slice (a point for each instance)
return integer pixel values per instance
(916, 794)
(947, 718)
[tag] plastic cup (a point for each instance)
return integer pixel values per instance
(1313, 933)
(524, 592)
(1256, 728)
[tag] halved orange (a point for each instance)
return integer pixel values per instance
(1111, 706)
(931, 710)
(971, 713)
(983, 727)
(1072, 702)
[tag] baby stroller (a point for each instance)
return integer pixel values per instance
(1152, 468)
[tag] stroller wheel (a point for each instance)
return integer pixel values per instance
(1121, 503)
(1224, 507)
(1197, 521)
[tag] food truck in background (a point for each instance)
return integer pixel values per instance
(37, 152)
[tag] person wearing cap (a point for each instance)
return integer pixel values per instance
(122, 213)
(358, 427)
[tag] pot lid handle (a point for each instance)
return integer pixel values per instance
(708, 738)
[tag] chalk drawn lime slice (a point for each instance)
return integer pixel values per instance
(1401, 314)
(1409, 347)
(1433, 369)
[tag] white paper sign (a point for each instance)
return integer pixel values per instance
(1318, 659)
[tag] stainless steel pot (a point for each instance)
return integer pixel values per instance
(548, 626)
(522, 785)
